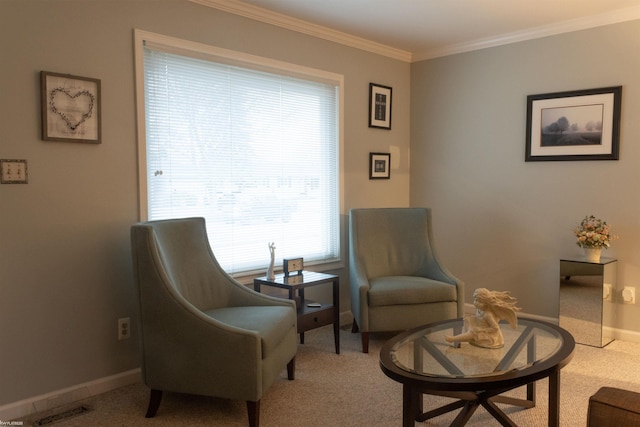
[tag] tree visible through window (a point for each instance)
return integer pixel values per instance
(252, 149)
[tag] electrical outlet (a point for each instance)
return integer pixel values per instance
(629, 295)
(124, 328)
(607, 292)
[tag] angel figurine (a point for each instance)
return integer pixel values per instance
(270, 271)
(482, 329)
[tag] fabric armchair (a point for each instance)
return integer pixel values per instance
(201, 331)
(396, 280)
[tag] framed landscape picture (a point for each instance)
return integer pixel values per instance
(575, 125)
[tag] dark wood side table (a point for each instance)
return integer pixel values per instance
(311, 314)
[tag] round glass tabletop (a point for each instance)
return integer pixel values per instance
(424, 351)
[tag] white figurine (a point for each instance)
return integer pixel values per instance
(270, 273)
(482, 329)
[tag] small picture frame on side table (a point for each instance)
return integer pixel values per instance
(379, 106)
(70, 108)
(291, 265)
(379, 165)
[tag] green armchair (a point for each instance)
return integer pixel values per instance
(201, 331)
(396, 281)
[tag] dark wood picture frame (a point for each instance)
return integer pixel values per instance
(71, 110)
(379, 165)
(574, 125)
(380, 106)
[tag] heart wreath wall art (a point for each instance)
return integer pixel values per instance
(73, 108)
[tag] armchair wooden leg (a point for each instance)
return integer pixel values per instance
(253, 411)
(154, 403)
(291, 369)
(365, 342)
(365, 336)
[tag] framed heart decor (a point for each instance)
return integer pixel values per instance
(70, 108)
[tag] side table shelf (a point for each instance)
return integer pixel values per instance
(309, 315)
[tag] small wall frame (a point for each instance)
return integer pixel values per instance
(70, 108)
(379, 106)
(379, 165)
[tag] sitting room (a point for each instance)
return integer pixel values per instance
(445, 112)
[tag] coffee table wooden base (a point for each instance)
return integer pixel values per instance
(470, 401)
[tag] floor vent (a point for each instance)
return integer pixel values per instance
(71, 413)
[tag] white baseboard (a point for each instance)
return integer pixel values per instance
(43, 402)
(625, 335)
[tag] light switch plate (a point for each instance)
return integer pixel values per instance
(13, 171)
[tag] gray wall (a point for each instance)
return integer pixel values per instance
(65, 270)
(503, 223)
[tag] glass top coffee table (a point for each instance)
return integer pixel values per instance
(425, 363)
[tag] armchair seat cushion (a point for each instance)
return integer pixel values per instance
(272, 323)
(401, 290)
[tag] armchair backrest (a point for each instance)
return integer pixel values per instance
(176, 253)
(392, 241)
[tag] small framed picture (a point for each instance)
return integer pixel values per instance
(379, 165)
(574, 125)
(379, 106)
(70, 108)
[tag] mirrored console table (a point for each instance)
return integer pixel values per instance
(586, 299)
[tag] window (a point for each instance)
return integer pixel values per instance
(250, 144)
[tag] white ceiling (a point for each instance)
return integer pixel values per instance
(420, 29)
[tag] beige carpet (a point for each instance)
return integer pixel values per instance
(350, 390)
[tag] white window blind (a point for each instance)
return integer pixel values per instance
(254, 152)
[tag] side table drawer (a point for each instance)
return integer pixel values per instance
(315, 319)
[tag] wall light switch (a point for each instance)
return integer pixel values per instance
(13, 171)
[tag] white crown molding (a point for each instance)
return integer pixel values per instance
(263, 15)
(305, 27)
(614, 17)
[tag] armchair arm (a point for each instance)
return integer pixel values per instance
(228, 360)
(435, 270)
(242, 295)
(359, 289)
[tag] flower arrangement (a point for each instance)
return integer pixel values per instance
(594, 233)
